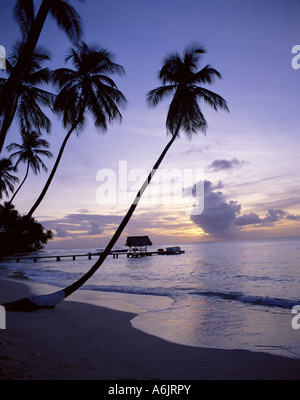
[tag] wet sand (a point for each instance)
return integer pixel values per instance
(82, 341)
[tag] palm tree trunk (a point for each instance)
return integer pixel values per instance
(51, 176)
(7, 120)
(16, 76)
(71, 289)
(26, 175)
(51, 300)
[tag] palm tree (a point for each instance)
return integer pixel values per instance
(87, 89)
(31, 26)
(7, 180)
(28, 97)
(29, 153)
(180, 77)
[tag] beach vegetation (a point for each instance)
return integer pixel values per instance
(7, 179)
(20, 234)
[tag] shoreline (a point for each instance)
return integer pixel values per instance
(86, 337)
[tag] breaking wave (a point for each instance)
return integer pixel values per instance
(258, 300)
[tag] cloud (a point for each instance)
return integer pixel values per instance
(271, 217)
(218, 216)
(73, 225)
(222, 219)
(247, 219)
(293, 217)
(219, 165)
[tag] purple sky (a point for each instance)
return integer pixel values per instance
(250, 156)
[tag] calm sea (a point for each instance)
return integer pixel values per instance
(229, 295)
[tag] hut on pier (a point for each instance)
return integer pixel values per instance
(138, 243)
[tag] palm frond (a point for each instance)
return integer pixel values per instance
(214, 100)
(30, 114)
(29, 97)
(171, 64)
(156, 95)
(24, 15)
(192, 54)
(7, 180)
(63, 76)
(40, 55)
(67, 18)
(206, 75)
(43, 76)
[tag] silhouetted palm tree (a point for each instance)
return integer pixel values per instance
(87, 89)
(7, 180)
(31, 25)
(184, 113)
(29, 153)
(28, 97)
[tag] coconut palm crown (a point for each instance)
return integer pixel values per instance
(29, 153)
(181, 79)
(86, 89)
(29, 98)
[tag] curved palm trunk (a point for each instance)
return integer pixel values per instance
(51, 176)
(18, 72)
(7, 120)
(51, 300)
(26, 175)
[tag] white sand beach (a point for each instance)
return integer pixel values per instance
(82, 341)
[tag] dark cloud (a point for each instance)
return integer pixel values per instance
(247, 219)
(218, 216)
(219, 165)
(273, 216)
(293, 217)
(82, 224)
(222, 219)
(254, 219)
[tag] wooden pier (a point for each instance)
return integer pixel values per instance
(151, 253)
(115, 254)
(138, 247)
(58, 258)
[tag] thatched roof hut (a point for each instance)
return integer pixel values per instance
(138, 241)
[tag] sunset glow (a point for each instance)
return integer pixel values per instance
(249, 157)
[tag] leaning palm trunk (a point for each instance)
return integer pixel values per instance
(6, 122)
(51, 300)
(51, 176)
(16, 192)
(16, 76)
(184, 112)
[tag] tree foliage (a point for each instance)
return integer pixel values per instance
(7, 179)
(20, 234)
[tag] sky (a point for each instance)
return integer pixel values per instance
(239, 181)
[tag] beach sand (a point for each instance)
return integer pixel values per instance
(81, 341)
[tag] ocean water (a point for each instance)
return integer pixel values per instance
(227, 295)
